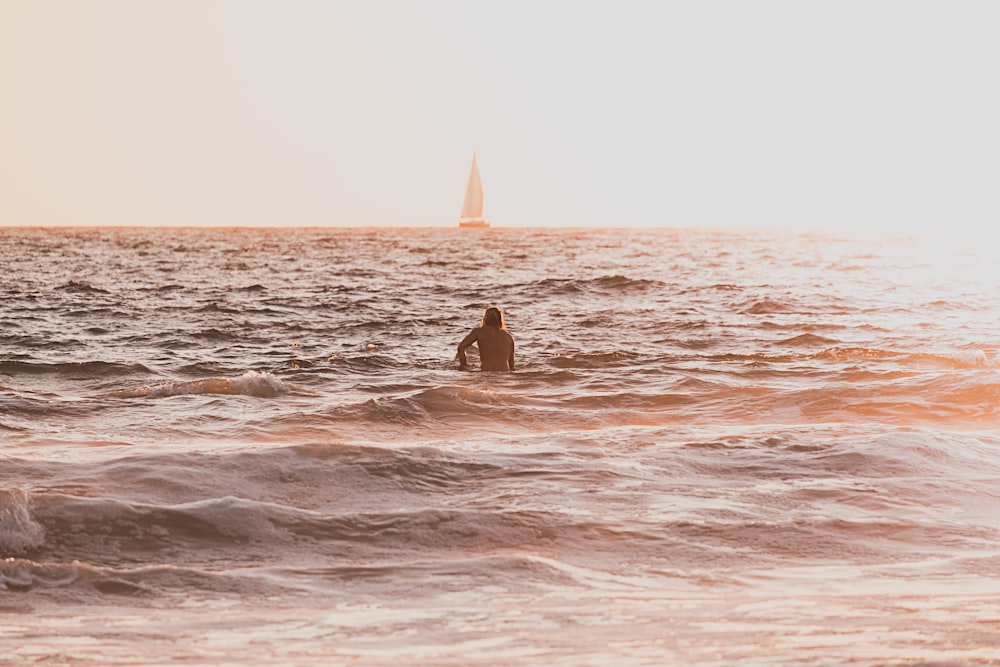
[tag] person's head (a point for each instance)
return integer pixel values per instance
(493, 317)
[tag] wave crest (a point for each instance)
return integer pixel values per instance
(955, 360)
(251, 383)
(23, 575)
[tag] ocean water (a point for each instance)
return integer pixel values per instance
(254, 447)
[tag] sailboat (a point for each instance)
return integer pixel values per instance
(472, 207)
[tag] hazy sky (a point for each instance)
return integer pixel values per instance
(792, 114)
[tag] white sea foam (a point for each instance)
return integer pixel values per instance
(19, 532)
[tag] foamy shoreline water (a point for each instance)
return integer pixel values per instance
(253, 447)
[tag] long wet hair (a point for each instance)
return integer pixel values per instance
(493, 317)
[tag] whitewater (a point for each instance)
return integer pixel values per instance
(254, 446)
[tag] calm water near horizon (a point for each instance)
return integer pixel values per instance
(253, 447)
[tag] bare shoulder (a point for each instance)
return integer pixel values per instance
(471, 337)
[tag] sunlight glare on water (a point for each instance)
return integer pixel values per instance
(253, 446)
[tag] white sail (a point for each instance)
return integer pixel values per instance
(472, 207)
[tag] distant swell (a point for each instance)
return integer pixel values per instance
(74, 287)
(86, 369)
(608, 284)
(808, 340)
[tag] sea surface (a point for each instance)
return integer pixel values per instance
(254, 447)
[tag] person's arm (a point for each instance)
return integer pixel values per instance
(510, 359)
(466, 342)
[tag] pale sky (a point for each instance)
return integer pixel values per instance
(790, 114)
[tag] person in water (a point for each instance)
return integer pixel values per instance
(496, 346)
